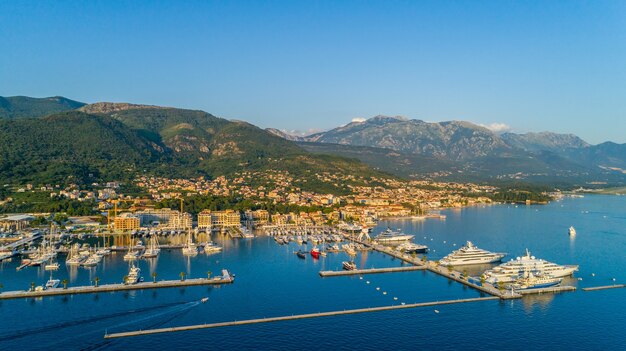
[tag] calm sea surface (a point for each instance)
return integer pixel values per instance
(272, 281)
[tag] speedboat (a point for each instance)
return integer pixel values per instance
(469, 255)
(572, 231)
(301, 254)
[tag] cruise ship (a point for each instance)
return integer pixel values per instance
(390, 236)
(510, 271)
(470, 254)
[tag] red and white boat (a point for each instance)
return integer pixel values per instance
(315, 252)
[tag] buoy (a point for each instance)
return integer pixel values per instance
(395, 298)
(384, 293)
(360, 278)
(367, 282)
(593, 274)
(444, 241)
(436, 311)
(377, 288)
(402, 303)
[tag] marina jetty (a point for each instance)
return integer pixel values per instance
(295, 317)
(371, 271)
(92, 289)
(457, 276)
(596, 288)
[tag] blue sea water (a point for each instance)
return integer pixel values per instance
(272, 281)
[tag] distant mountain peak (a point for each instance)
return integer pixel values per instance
(386, 119)
(108, 107)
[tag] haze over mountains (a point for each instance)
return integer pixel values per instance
(57, 138)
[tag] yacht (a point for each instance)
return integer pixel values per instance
(530, 280)
(190, 249)
(212, 247)
(134, 275)
(390, 236)
(52, 283)
(153, 249)
(572, 231)
(74, 258)
(510, 271)
(131, 255)
(470, 254)
(92, 260)
(52, 266)
(348, 266)
(349, 249)
(412, 247)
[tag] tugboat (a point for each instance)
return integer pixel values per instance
(301, 254)
(315, 252)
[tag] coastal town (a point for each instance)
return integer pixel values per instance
(365, 201)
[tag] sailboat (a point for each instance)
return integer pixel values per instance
(190, 249)
(153, 249)
(131, 255)
(73, 258)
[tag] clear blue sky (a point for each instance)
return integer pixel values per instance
(544, 65)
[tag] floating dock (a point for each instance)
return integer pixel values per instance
(371, 271)
(294, 317)
(595, 288)
(115, 287)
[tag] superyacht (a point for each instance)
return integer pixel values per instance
(469, 255)
(390, 236)
(510, 271)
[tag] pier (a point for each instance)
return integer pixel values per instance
(461, 278)
(596, 288)
(115, 287)
(371, 271)
(294, 317)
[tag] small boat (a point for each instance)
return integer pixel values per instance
(301, 254)
(315, 252)
(572, 231)
(204, 299)
(52, 283)
(348, 266)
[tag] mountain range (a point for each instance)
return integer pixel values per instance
(463, 150)
(58, 139)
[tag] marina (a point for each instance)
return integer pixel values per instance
(418, 277)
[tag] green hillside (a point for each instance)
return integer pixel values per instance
(80, 147)
(28, 107)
